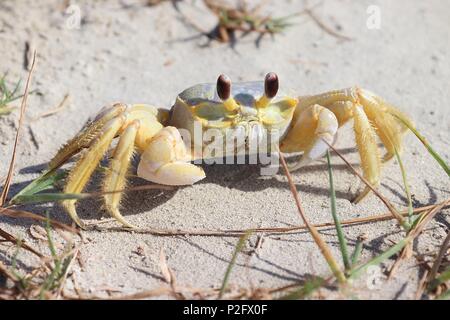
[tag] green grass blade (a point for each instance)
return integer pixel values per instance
(237, 249)
(340, 233)
(422, 139)
(306, 290)
(407, 190)
(444, 296)
(442, 278)
(50, 197)
(46, 181)
(49, 282)
(380, 258)
(357, 252)
(5, 110)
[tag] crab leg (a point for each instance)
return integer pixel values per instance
(166, 160)
(149, 120)
(85, 137)
(365, 137)
(84, 167)
(388, 128)
(115, 178)
(372, 117)
(312, 126)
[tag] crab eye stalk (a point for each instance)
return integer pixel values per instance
(223, 87)
(271, 85)
(224, 92)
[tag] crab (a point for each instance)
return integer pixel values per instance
(250, 112)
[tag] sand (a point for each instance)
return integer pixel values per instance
(132, 53)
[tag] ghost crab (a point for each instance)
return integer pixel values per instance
(248, 110)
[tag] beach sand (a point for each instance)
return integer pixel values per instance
(139, 54)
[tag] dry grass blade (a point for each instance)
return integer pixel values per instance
(59, 108)
(240, 232)
(13, 213)
(10, 238)
(7, 184)
(9, 274)
(391, 208)
(402, 243)
(167, 274)
(324, 27)
(440, 257)
(145, 294)
(428, 217)
(326, 252)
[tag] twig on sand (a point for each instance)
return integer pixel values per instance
(240, 232)
(53, 111)
(324, 27)
(8, 180)
(326, 252)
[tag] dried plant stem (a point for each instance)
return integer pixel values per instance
(59, 108)
(437, 263)
(238, 233)
(12, 239)
(23, 106)
(315, 234)
(29, 215)
(324, 27)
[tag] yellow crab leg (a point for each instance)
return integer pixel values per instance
(365, 137)
(115, 178)
(84, 167)
(326, 99)
(149, 119)
(387, 127)
(85, 137)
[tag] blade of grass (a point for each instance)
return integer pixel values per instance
(355, 272)
(325, 250)
(306, 290)
(49, 283)
(13, 213)
(46, 181)
(240, 232)
(237, 250)
(401, 244)
(10, 238)
(442, 278)
(59, 196)
(8, 180)
(358, 250)
(340, 233)
(391, 208)
(440, 257)
(424, 141)
(444, 296)
(406, 185)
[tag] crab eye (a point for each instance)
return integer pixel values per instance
(271, 85)
(223, 87)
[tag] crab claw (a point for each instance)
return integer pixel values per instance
(166, 161)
